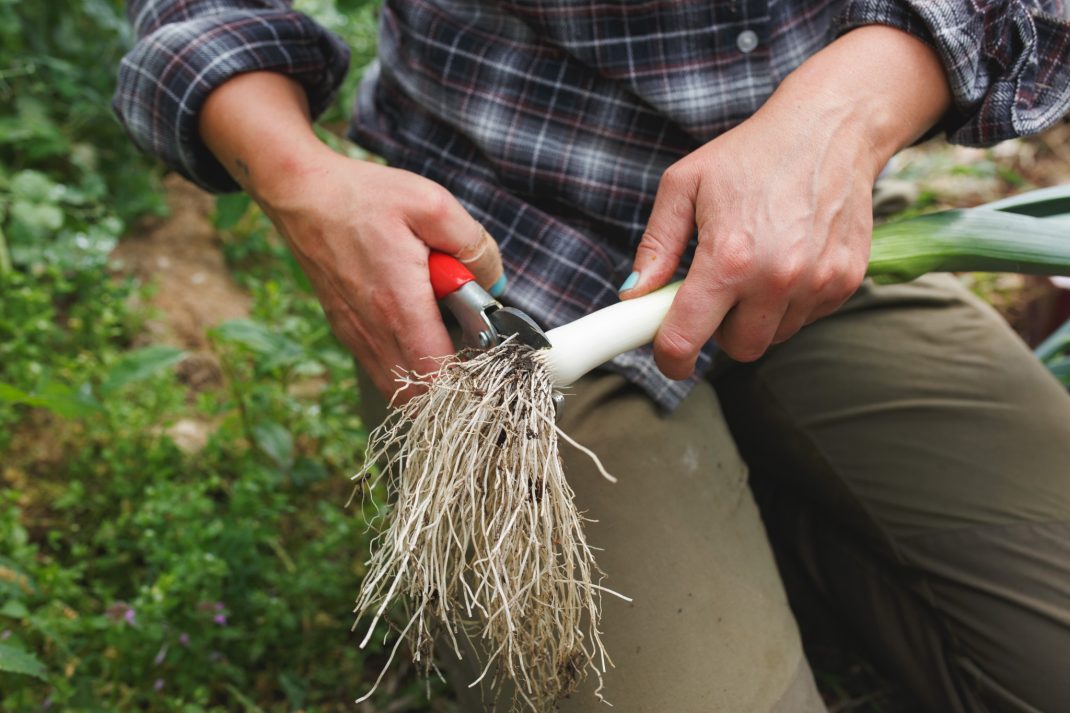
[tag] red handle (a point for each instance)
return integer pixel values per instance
(448, 274)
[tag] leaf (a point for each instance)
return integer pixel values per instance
(248, 334)
(5, 256)
(34, 187)
(230, 208)
(249, 706)
(295, 692)
(276, 442)
(1057, 342)
(65, 400)
(298, 273)
(307, 471)
(35, 220)
(1043, 202)
(972, 240)
(257, 338)
(139, 365)
(1061, 370)
(18, 661)
(58, 398)
(11, 395)
(15, 609)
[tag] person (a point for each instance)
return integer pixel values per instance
(910, 455)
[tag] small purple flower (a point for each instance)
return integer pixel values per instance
(46, 704)
(160, 655)
(121, 611)
(157, 685)
(219, 606)
(183, 639)
(220, 619)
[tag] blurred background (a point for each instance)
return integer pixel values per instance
(178, 425)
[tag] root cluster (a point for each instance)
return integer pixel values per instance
(481, 538)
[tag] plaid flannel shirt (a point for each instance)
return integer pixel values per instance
(552, 120)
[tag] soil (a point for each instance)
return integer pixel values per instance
(181, 255)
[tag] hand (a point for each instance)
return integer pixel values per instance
(784, 223)
(782, 202)
(361, 232)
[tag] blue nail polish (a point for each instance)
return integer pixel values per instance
(632, 281)
(498, 287)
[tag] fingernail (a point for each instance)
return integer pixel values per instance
(498, 287)
(632, 281)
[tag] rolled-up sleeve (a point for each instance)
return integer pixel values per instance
(187, 48)
(1007, 61)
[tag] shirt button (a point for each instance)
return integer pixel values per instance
(746, 41)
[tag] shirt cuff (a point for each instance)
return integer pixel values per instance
(165, 79)
(1005, 61)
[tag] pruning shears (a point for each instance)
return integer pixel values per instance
(484, 321)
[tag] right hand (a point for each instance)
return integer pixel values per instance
(362, 233)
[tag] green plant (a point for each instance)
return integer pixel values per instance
(70, 180)
(1022, 233)
(1055, 353)
(140, 576)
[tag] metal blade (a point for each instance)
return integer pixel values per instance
(509, 320)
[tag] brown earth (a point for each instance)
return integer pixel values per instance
(181, 257)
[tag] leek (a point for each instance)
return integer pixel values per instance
(1028, 233)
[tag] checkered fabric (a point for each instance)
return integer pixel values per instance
(552, 120)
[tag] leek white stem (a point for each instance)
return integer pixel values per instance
(590, 341)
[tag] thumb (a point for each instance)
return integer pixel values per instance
(671, 225)
(444, 224)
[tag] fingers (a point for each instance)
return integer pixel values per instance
(796, 317)
(443, 224)
(749, 329)
(749, 297)
(363, 243)
(696, 312)
(406, 336)
(669, 230)
(381, 307)
(483, 258)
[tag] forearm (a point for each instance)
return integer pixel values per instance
(1005, 60)
(877, 85)
(187, 49)
(258, 126)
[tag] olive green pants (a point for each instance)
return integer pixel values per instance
(913, 462)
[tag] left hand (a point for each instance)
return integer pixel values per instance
(784, 220)
(783, 202)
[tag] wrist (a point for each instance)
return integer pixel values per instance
(259, 128)
(879, 87)
(276, 177)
